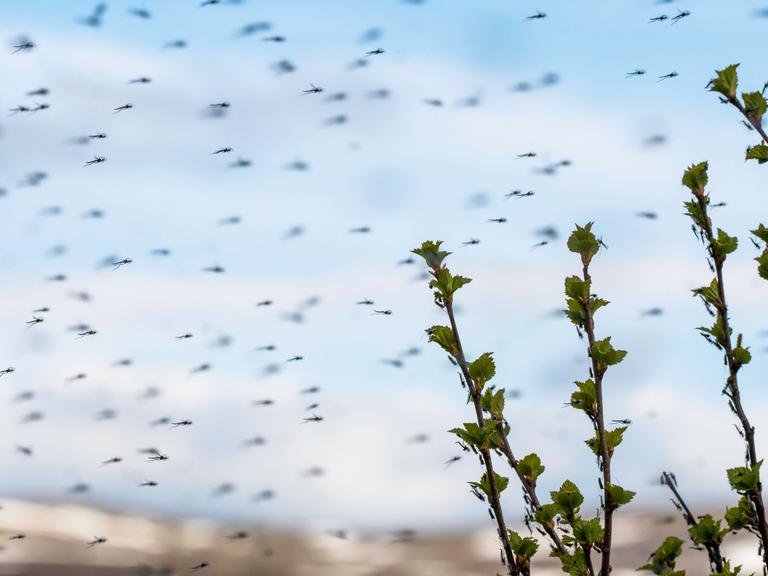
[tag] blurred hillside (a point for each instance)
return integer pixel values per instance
(57, 542)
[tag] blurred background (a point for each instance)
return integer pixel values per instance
(433, 114)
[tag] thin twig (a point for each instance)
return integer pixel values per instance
(713, 550)
(494, 498)
(605, 457)
(732, 382)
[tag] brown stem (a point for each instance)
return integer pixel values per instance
(732, 382)
(588, 558)
(713, 550)
(495, 500)
(530, 490)
(753, 121)
(605, 457)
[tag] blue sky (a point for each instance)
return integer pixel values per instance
(410, 172)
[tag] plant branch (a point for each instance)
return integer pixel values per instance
(732, 382)
(599, 420)
(495, 500)
(713, 550)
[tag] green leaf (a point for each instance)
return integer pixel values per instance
(431, 253)
(741, 355)
(761, 232)
(525, 547)
(443, 337)
(757, 152)
(604, 353)
(707, 531)
(573, 564)
(612, 439)
(576, 288)
(724, 244)
(500, 481)
(583, 241)
(710, 294)
(741, 516)
(485, 438)
(727, 570)
(695, 177)
(482, 370)
(744, 479)
(447, 284)
(588, 533)
(567, 499)
(530, 468)
(585, 398)
(618, 496)
(726, 82)
(694, 210)
(545, 515)
(754, 105)
(762, 265)
(493, 402)
(662, 561)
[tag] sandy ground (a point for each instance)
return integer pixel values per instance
(57, 538)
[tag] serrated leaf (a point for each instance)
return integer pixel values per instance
(695, 177)
(662, 561)
(585, 398)
(707, 531)
(757, 152)
(493, 402)
(582, 241)
(761, 232)
(568, 499)
(762, 265)
(530, 468)
(754, 105)
(741, 516)
(604, 353)
(576, 288)
(618, 496)
(612, 439)
(443, 337)
(726, 82)
(501, 483)
(744, 479)
(724, 244)
(588, 533)
(522, 547)
(431, 253)
(482, 370)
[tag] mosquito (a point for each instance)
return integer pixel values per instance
(375, 52)
(224, 150)
(667, 76)
(636, 72)
(680, 15)
(123, 107)
(35, 320)
(313, 89)
(96, 541)
(120, 263)
(87, 333)
(96, 160)
(313, 418)
(24, 46)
